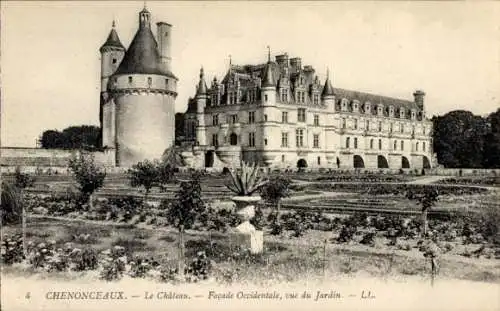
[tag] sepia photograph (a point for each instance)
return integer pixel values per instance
(254, 155)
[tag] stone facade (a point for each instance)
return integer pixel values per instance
(138, 92)
(280, 115)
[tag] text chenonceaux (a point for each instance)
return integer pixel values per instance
(97, 295)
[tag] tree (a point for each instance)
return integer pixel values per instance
(87, 174)
(23, 181)
(276, 189)
(182, 213)
(144, 174)
(426, 199)
(11, 204)
(459, 139)
(86, 137)
(492, 141)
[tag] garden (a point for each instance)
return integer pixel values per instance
(179, 232)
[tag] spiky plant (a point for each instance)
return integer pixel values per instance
(246, 180)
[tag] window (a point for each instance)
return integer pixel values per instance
(371, 143)
(251, 117)
(416, 146)
(302, 97)
(233, 119)
(401, 127)
(265, 97)
(265, 118)
(315, 141)
(423, 146)
(282, 158)
(343, 123)
(301, 115)
(367, 125)
(316, 120)
(390, 127)
(265, 141)
(316, 99)
(215, 119)
(214, 140)
(114, 60)
(380, 126)
(380, 144)
(251, 139)
(166, 84)
(402, 145)
(150, 81)
(355, 124)
(348, 142)
(319, 160)
(299, 133)
(284, 117)
(395, 145)
(423, 130)
(233, 139)
(284, 95)
(355, 143)
(284, 139)
(129, 79)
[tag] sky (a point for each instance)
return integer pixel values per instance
(50, 61)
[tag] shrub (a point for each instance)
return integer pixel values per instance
(199, 268)
(368, 238)
(87, 173)
(113, 263)
(12, 249)
(85, 259)
(246, 180)
(347, 233)
(11, 204)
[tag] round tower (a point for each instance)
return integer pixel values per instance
(144, 92)
(328, 94)
(201, 102)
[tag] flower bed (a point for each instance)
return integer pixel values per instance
(478, 181)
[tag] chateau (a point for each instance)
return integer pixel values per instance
(138, 91)
(279, 114)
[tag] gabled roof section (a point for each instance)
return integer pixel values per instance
(142, 56)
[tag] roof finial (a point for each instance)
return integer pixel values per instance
(114, 23)
(268, 54)
(202, 74)
(327, 72)
(230, 60)
(145, 8)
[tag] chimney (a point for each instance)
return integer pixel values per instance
(418, 96)
(282, 60)
(164, 33)
(296, 64)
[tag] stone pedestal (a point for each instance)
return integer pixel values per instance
(245, 234)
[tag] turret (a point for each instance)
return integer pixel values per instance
(328, 94)
(201, 101)
(112, 52)
(268, 86)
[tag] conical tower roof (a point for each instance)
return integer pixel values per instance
(328, 88)
(113, 40)
(202, 86)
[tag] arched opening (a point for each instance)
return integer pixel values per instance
(225, 171)
(302, 163)
(209, 158)
(233, 139)
(382, 162)
(426, 162)
(405, 163)
(358, 162)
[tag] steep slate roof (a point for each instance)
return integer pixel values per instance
(328, 88)
(142, 56)
(375, 99)
(113, 40)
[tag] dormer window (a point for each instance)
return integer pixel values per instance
(355, 106)
(316, 99)
(391, 111)
(150, 81)
(344, 104)
(284, 95)
(380, 110)
(367, 108)
(402, 113)
(114, 60)
(413, 114)
(129, 79)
